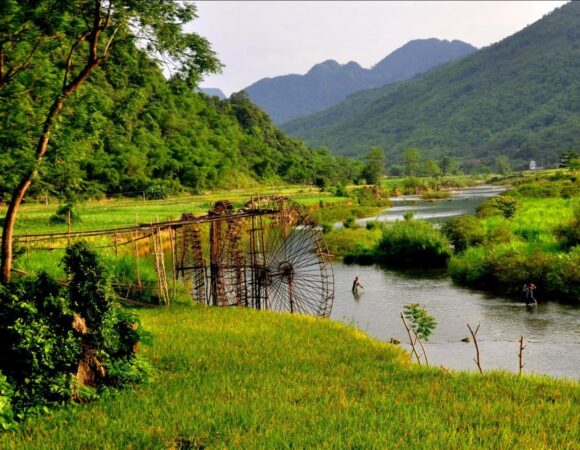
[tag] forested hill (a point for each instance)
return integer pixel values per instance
(132, 131)
(290, 96)
(519, 97)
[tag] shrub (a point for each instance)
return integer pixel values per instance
(350, 222)
(463, 232)
(156, 192)
(58, 341)
(64, 213)
(6, 415)
(436, 195)
(374, 225)
(505, 268)
(413, 243)
(504, 205)
(569, 234)
(420, 320)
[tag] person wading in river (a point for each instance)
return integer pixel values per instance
(528, 294)
(356, 284)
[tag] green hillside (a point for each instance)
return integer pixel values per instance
(519, 98)
(129, 130)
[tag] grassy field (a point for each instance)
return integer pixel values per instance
(110, 213)
(248, 379)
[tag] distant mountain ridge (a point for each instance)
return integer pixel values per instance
(519, 97)
(213, 92)
(291, 96)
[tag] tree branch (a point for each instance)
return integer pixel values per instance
(70, 56)
(473, 335)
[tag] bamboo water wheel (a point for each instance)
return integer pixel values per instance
(266, 255)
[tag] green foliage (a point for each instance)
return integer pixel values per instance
(518, 98)
(503, 205)
(420, 320)
(375, 165)
(505, 268)
(6, 415)
(128, 130)
(412, 159)
(350, 222)
(463, 232)
(413, 243)
(156, 192)
(48, 330)
(66, 213)
(569, 233)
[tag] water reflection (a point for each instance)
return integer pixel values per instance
(462, 202)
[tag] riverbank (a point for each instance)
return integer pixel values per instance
(528, 234)
(252, 379)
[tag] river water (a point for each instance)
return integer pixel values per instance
(551, 331)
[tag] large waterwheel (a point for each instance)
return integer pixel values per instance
(267, 255)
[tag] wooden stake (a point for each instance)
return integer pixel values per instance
(68, 227)
(521, 355)
(173, 259)
(473, 335)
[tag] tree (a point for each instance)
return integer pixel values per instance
(432, 169)
(502, 165)
(49, 48)
(375, 164)
(449, 166)
(412, 158)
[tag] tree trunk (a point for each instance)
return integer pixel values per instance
(41, 148)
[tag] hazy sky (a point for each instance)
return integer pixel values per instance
(266, 39)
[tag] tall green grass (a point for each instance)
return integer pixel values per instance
(230, 378)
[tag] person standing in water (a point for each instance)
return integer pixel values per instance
(356, 284)
(531, 300)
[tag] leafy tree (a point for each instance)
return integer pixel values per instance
(432, 169)
(49, 49)
(375, 165)
(502, 165)
(464, 231)
(449, 166)
(412, 158)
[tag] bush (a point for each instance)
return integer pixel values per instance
(504, 205)
(64, 213)
(350, 222)
(413, 243)
(6, 415)
(505, 268)
(569, 234)
(156, 192)
(58, 343)
(463, 232)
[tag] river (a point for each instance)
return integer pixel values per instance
(551, 330)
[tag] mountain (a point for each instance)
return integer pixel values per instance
(213, 92)
(519, 97)
(290, 96)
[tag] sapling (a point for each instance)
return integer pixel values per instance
(421, 324)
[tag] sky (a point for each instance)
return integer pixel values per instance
(262, 39)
